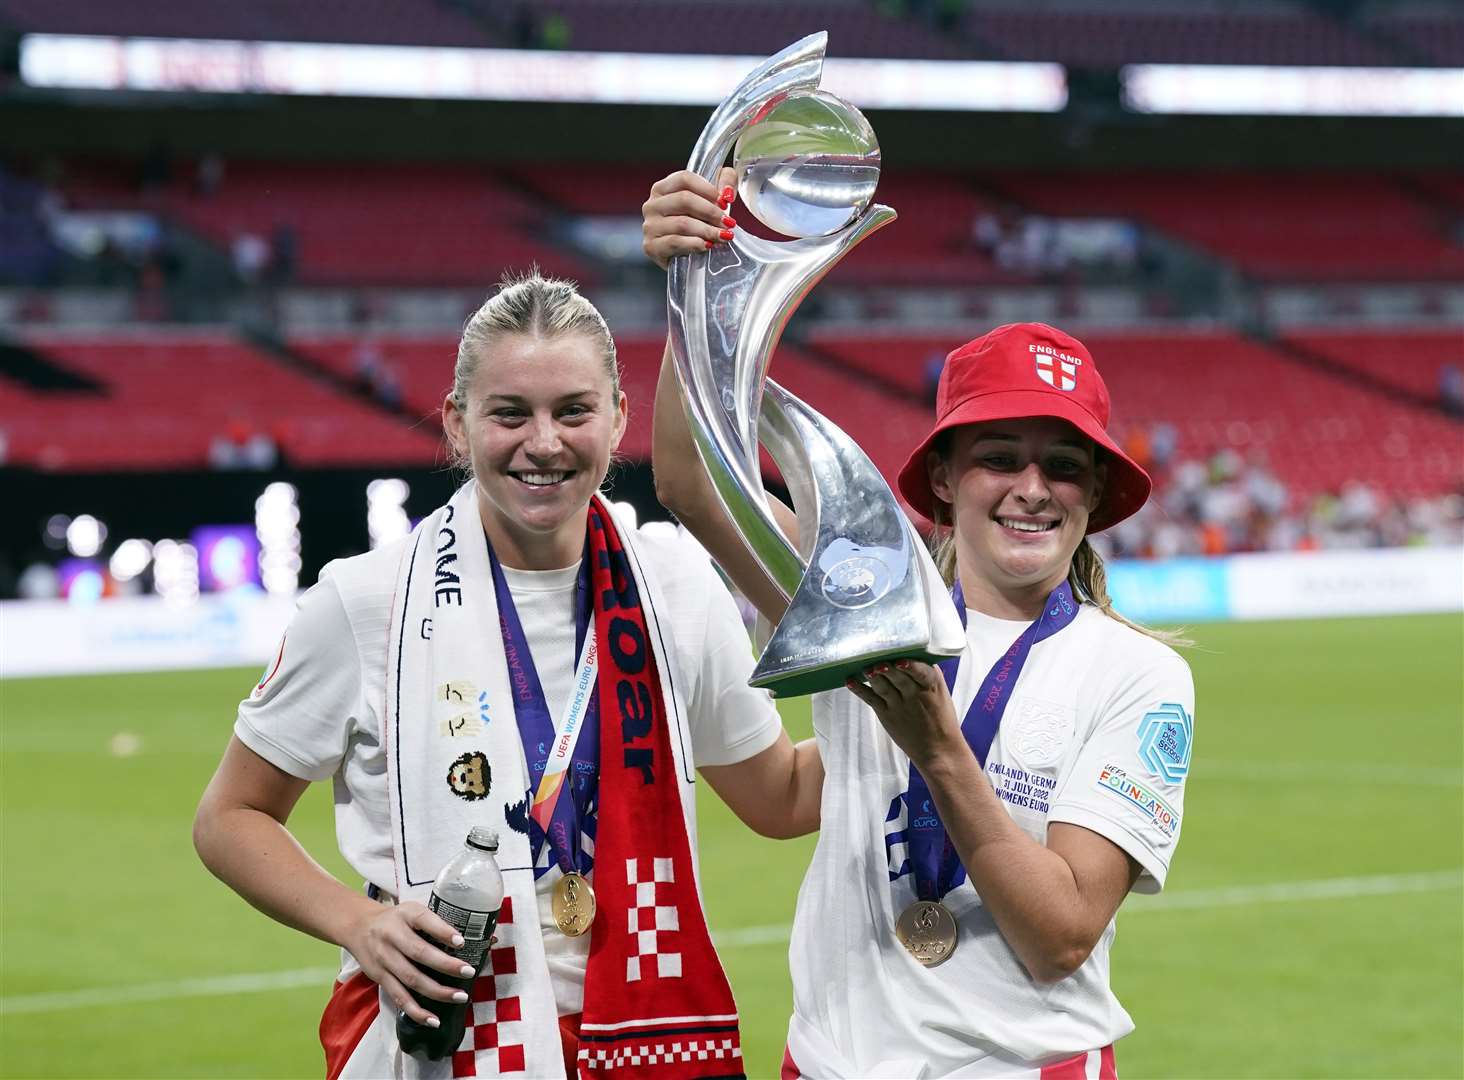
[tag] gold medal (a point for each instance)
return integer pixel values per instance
(573, 902)
(928, 932)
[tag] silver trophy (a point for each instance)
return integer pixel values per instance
(861, 586)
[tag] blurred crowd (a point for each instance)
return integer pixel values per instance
(1230, 504)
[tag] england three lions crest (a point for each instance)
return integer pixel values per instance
(1040, 732)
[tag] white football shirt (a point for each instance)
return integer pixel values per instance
(1097, 733)
(316, 714)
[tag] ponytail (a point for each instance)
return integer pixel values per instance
(1089, 580)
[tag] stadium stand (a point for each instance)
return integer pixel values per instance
(375, 249)
(1185, 34)
(352, 224)
(170, 394)
(1410, 360)
(1317, 431)
(420, 364)
(366, 22)
(1429, 33)
(445, 225)
(760, 27)
(1320, 227)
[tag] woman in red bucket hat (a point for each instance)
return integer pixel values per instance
(981, 820)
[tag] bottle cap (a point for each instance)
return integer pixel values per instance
(483, 838)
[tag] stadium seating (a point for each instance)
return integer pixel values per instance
(1313, 227)
(1316, 431)
(1083, 35)
(170, 394)
(421, 364)
(370, 22)
(1410, 360)
(751, 27)
(441, 225)
(1111, 38)
(1427, 37)
(356, 225)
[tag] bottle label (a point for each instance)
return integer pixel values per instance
(476, 927)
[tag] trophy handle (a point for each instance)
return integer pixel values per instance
(726, 311)
(720, 388)
(870, 585)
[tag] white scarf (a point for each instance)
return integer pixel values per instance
(455, 760)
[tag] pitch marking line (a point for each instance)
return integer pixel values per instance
(205, 987)
(1340, 773)
(1236, 896)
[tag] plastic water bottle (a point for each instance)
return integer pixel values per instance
(467, 894)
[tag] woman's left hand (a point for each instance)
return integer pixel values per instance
(913, 704)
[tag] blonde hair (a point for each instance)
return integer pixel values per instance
(530, 303)
(1087, 575)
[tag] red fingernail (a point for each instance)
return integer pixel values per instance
(726, 234)
(710, 245)
(902, 664)
(730, 222)
(727, 194)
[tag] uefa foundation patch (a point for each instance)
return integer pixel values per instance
(1115, 780)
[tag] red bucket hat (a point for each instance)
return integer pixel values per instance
(1020, 370)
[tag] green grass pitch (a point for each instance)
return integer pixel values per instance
(1313, 924)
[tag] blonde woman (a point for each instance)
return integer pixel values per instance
(527, 661)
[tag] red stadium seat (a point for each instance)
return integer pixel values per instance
(170, 394)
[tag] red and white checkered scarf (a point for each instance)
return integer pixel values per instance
(656, 1000)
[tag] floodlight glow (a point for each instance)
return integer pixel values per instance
(70, 61)
(386, 515)
(1253, 90)
(276, 515)
(175, 572)
(54, 534)
(84, 536)
(130, 559)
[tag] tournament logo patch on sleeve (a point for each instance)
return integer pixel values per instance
(1165, 737)
(270, 672)
(1117, 782)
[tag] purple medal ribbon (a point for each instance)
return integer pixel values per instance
(536, 730)
(933, 858)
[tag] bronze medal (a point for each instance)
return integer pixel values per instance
(928, 932)
(573, 902)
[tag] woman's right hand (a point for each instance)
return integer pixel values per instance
(386, 944)
(686, 213)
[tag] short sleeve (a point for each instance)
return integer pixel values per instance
(298, 718)
(1128, 781)
(731, 721)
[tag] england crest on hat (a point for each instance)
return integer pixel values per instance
(1056, 370)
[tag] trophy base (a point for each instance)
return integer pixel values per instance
(832, 676)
